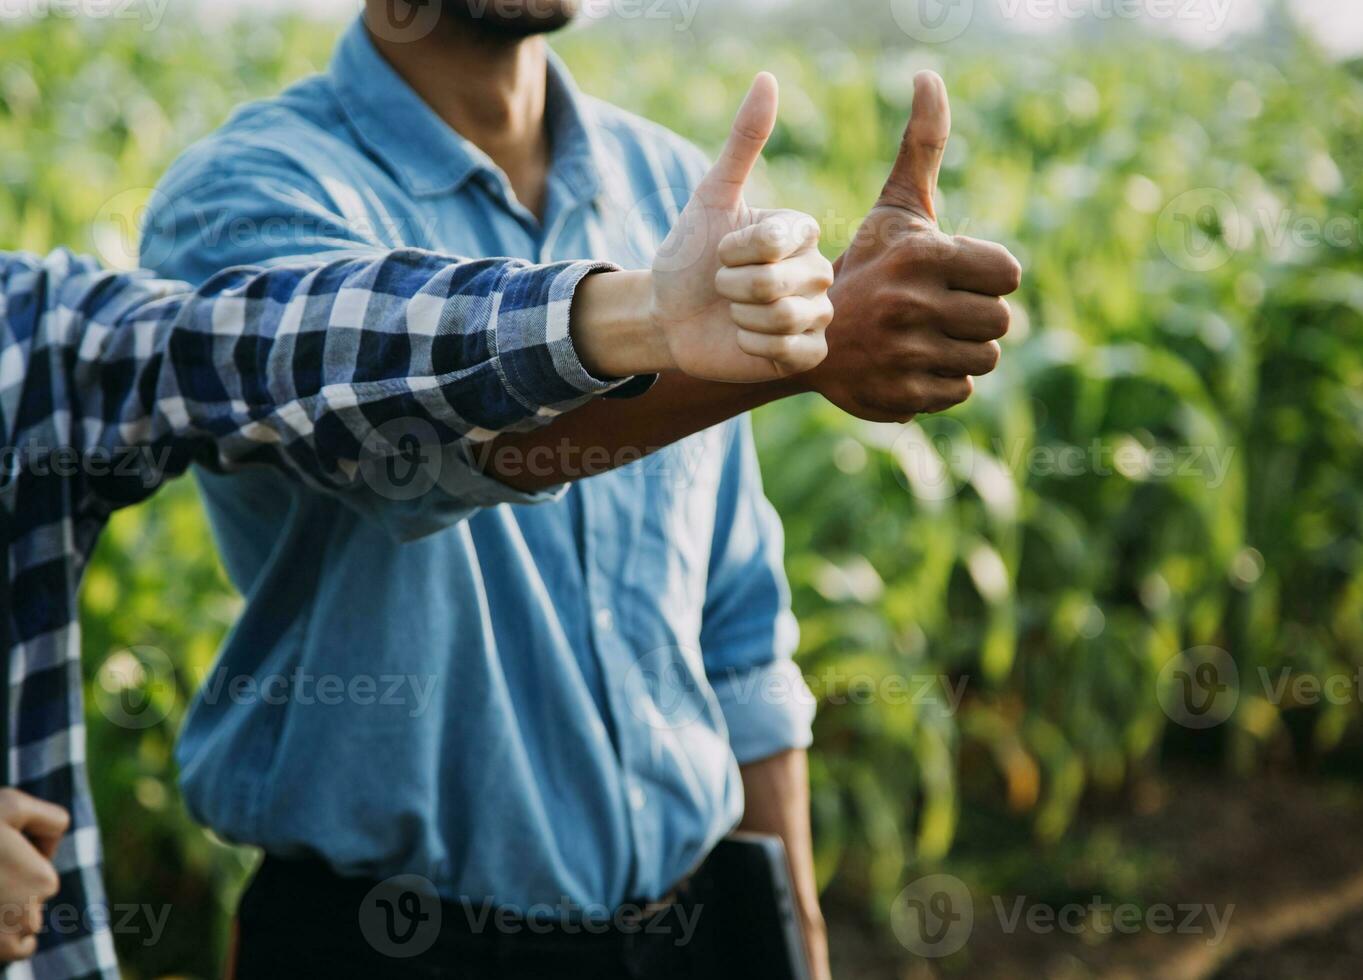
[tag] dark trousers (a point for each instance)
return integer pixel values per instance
(299, 919)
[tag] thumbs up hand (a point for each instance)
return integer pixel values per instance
(918, 312)
(741, 294)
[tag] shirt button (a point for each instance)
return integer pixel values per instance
(637, 797)
(605, 620)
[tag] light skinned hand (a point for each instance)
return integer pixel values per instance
(30, 831)
(741, 294)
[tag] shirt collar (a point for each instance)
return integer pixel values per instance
(428, 157)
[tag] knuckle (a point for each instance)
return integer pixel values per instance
(947, 248)
(766, 285)
(770, 248)
(825, 313)
(823, 273)
(787, 314)
(48, 883)
(933, 144)
(747, 131)
(905, 307)
(769, 240)
(932, 308)
(1005, 318)
(931, 248)
(785, 347)
(879, 298)
(805, 228)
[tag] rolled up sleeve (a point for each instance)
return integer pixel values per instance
(748, 632)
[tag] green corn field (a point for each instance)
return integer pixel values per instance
(1169, 457)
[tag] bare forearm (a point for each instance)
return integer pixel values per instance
(777, 794)
(614, 335)
(609, 432)
(751, 319)
(612, 325)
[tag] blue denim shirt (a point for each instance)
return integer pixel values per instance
(524, 698)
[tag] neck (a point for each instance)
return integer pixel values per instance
(489, 89)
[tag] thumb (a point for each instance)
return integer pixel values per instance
(41, 822)
(913, 178)
(753, 125)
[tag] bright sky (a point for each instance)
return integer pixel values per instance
(1338, 24)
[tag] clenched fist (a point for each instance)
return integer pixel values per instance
(917, 311)
(30, 830)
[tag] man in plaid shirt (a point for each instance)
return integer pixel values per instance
(110, 384)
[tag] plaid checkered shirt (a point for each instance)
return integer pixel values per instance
(111, 383)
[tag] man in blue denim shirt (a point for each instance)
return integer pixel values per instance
(112, 384)
(587, 685)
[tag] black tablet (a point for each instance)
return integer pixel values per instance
(748, 926)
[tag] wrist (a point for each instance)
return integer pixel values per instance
(798, 384)
(814, 931)
(612, 326)
(812, 920)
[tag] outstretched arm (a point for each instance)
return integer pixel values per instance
(917, 314)
(735, 294)
(297, 366)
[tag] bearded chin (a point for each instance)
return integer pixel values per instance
(510, 19)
